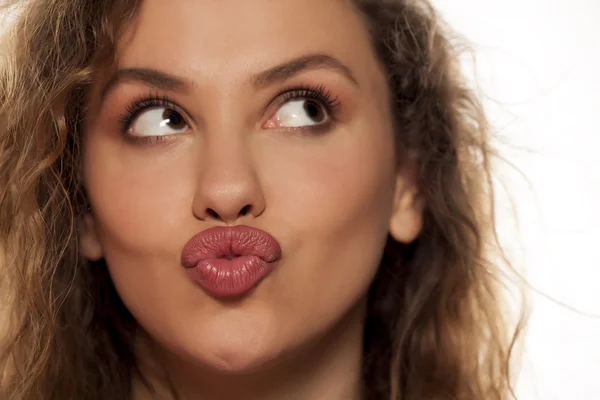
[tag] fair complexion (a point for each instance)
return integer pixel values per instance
(279, 120)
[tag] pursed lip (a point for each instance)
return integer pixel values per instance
(229, 243)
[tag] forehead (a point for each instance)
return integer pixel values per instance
(216, 38)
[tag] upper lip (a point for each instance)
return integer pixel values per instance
(230, 242)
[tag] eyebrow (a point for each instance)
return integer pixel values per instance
(294, 67)
(167, 82)
(151, 77)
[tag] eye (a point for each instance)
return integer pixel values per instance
(299, 113)
(158, 121)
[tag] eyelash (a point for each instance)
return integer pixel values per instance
(317, 93)
(139, 105)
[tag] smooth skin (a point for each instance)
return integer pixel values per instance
(326, 185)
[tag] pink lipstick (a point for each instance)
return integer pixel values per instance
(230, 261)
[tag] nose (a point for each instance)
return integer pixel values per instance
(228, 188)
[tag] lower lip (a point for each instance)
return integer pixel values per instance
(227, 278)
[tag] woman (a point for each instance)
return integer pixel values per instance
(244, 200)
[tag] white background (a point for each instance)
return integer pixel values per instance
(538, 63)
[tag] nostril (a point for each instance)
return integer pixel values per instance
(245, 210)
(213, 213)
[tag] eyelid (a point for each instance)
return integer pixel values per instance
(319, 93)
(144, 103)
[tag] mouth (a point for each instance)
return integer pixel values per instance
(230, 261)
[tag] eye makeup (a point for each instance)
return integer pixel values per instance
(321, 101)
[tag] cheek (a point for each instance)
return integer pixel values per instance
(336, 204)
(138, 201)
(345, 184)
(141, 202)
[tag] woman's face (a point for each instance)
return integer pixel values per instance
(270, 114)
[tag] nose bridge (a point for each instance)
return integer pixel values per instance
(228, 187)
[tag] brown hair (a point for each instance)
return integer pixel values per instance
(436, 323)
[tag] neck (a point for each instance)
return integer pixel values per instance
(328, 368)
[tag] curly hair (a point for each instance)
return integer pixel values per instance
(436, 325)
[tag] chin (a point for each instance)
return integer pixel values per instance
(229, 358)
(232, 343)
(238, 362)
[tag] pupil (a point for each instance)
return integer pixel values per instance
(313, 110)
(175, 120)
